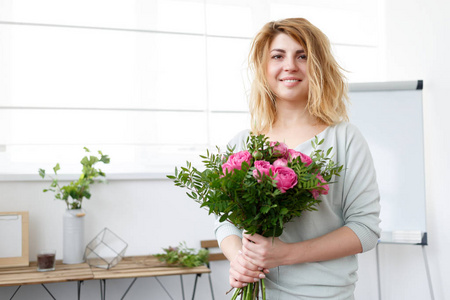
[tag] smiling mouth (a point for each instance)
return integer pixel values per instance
(290, 80)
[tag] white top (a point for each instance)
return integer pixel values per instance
(352, 201)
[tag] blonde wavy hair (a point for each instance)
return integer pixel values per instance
(327, 85)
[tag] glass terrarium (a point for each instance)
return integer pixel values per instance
(105, 250)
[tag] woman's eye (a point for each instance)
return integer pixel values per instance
(277, 56)
(302, 57)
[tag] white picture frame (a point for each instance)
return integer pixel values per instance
(14, 248)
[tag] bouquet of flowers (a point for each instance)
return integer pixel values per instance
(259, 189)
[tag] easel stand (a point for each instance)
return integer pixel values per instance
(425, 259)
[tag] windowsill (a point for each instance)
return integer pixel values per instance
(70, 177)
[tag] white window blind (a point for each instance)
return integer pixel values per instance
(150, 83)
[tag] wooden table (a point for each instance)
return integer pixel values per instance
(29, 275)
(128, 267)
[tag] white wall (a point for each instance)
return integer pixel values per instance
(417, 46)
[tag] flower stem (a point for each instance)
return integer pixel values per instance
(249, 291)
(263, 289)
(236, 293)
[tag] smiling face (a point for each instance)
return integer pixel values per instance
(287, 69)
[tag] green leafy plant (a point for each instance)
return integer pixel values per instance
(183, 256)
(74, 192)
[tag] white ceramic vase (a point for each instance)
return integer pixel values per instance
(73, 236)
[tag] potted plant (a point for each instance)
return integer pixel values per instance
(73, 194)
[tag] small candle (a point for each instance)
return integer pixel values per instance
(46, 260)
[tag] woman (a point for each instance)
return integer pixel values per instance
(298, 93)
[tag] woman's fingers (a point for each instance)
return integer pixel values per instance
(238, 278)
(264, 252)
(243, 271)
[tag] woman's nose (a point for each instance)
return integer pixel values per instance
(290, 65)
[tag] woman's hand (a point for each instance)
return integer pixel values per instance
(243, 272)
(264, 252)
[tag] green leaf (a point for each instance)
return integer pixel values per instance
(265, 209)
(284, 211)
(223, 218)
(105, 159)
(42, 173)
(86, 194)
(56, 168)
(84, 161)
(329, 151)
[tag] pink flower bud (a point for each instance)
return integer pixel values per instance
(279, 149)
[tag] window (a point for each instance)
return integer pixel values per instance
(150, 83)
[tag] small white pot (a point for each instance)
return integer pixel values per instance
(73, 236)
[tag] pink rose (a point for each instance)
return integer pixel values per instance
(281, 162)
(303, 157)
(324, 187)
(235, 161)
(263, 167)
(286, 178)
(279, 149)
(227, 168)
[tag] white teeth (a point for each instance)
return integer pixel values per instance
(291, 80)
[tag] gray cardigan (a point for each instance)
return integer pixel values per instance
(352, 201)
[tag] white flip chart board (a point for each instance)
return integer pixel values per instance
(389, 116)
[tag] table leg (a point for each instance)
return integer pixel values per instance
(15, 292)
(195, 285)
(211, 286)
(79, 288)
(182, 286)
(51, 295)
(102, 289)
(48, 291)
(129, 287)
(162, 285)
